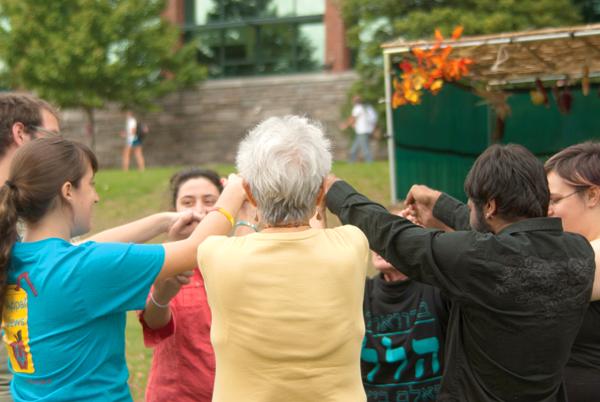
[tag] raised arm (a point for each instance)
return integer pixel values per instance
(435, 209)
(428, 255)
(180, 256)
(139, 231)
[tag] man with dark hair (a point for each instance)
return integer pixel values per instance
(518, 288)
(22, 118)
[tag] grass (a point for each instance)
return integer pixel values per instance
(125, 196)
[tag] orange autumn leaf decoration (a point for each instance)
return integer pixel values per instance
(457, 32)
(433, 68)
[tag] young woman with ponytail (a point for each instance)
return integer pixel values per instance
(64, 305)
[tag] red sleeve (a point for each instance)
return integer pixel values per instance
(153, 337)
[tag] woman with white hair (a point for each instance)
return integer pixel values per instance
(286, 302)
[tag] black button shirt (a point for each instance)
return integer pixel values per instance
(517, 297)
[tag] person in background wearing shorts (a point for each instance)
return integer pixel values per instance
(132, 142)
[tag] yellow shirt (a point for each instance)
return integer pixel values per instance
(287, 320)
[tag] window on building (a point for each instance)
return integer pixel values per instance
(250, 37)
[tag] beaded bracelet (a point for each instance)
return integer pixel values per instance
(247, 224)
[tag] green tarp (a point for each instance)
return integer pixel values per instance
(437, 141)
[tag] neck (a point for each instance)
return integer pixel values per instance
(287, 227)
(592, 224)
(53, 224)
(594, 237)
(498, 224)
(394, 276)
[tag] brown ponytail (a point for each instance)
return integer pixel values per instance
(37, 173)
(8, 232)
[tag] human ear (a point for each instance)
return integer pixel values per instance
(66, 191)
(18, 133)
(321, 195)
(248, 192)
(592, 196)
(490, 208)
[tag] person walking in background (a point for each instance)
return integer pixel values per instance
(364, 120)
(133, 141)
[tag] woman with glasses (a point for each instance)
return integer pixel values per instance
(574, 181)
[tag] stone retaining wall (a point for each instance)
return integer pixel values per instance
(204, 125)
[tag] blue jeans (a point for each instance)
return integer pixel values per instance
(361, 141)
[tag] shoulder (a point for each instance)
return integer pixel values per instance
(105, 255)
(349, 231)
(214, 242)
(23, 253)
(213, 245)
(115, 247)
(210, 252)
(350, 235)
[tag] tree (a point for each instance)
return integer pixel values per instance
(374, 22)
(85, 53)
(590, 10)
(253, 48)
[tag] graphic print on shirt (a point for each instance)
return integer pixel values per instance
(401, 356)
(15, 325)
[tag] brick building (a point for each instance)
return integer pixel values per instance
(265, 58)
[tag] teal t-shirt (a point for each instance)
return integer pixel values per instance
(64, 317)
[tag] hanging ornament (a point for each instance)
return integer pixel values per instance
(585, 81)
(536, 97)
(542, 94)
(564, 99)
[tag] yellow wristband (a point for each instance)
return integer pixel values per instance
(227, 215)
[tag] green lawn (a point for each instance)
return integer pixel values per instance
(125, 196)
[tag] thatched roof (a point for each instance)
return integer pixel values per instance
(520, 57)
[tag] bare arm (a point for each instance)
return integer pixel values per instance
(139, 231)
(180, 256)
(156, 316)
(349, 122)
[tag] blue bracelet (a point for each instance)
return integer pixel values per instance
(245, 223)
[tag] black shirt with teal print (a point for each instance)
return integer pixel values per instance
(518, 297)
(402, 357)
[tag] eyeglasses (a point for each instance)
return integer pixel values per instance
(45, 131)
(559, 198)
